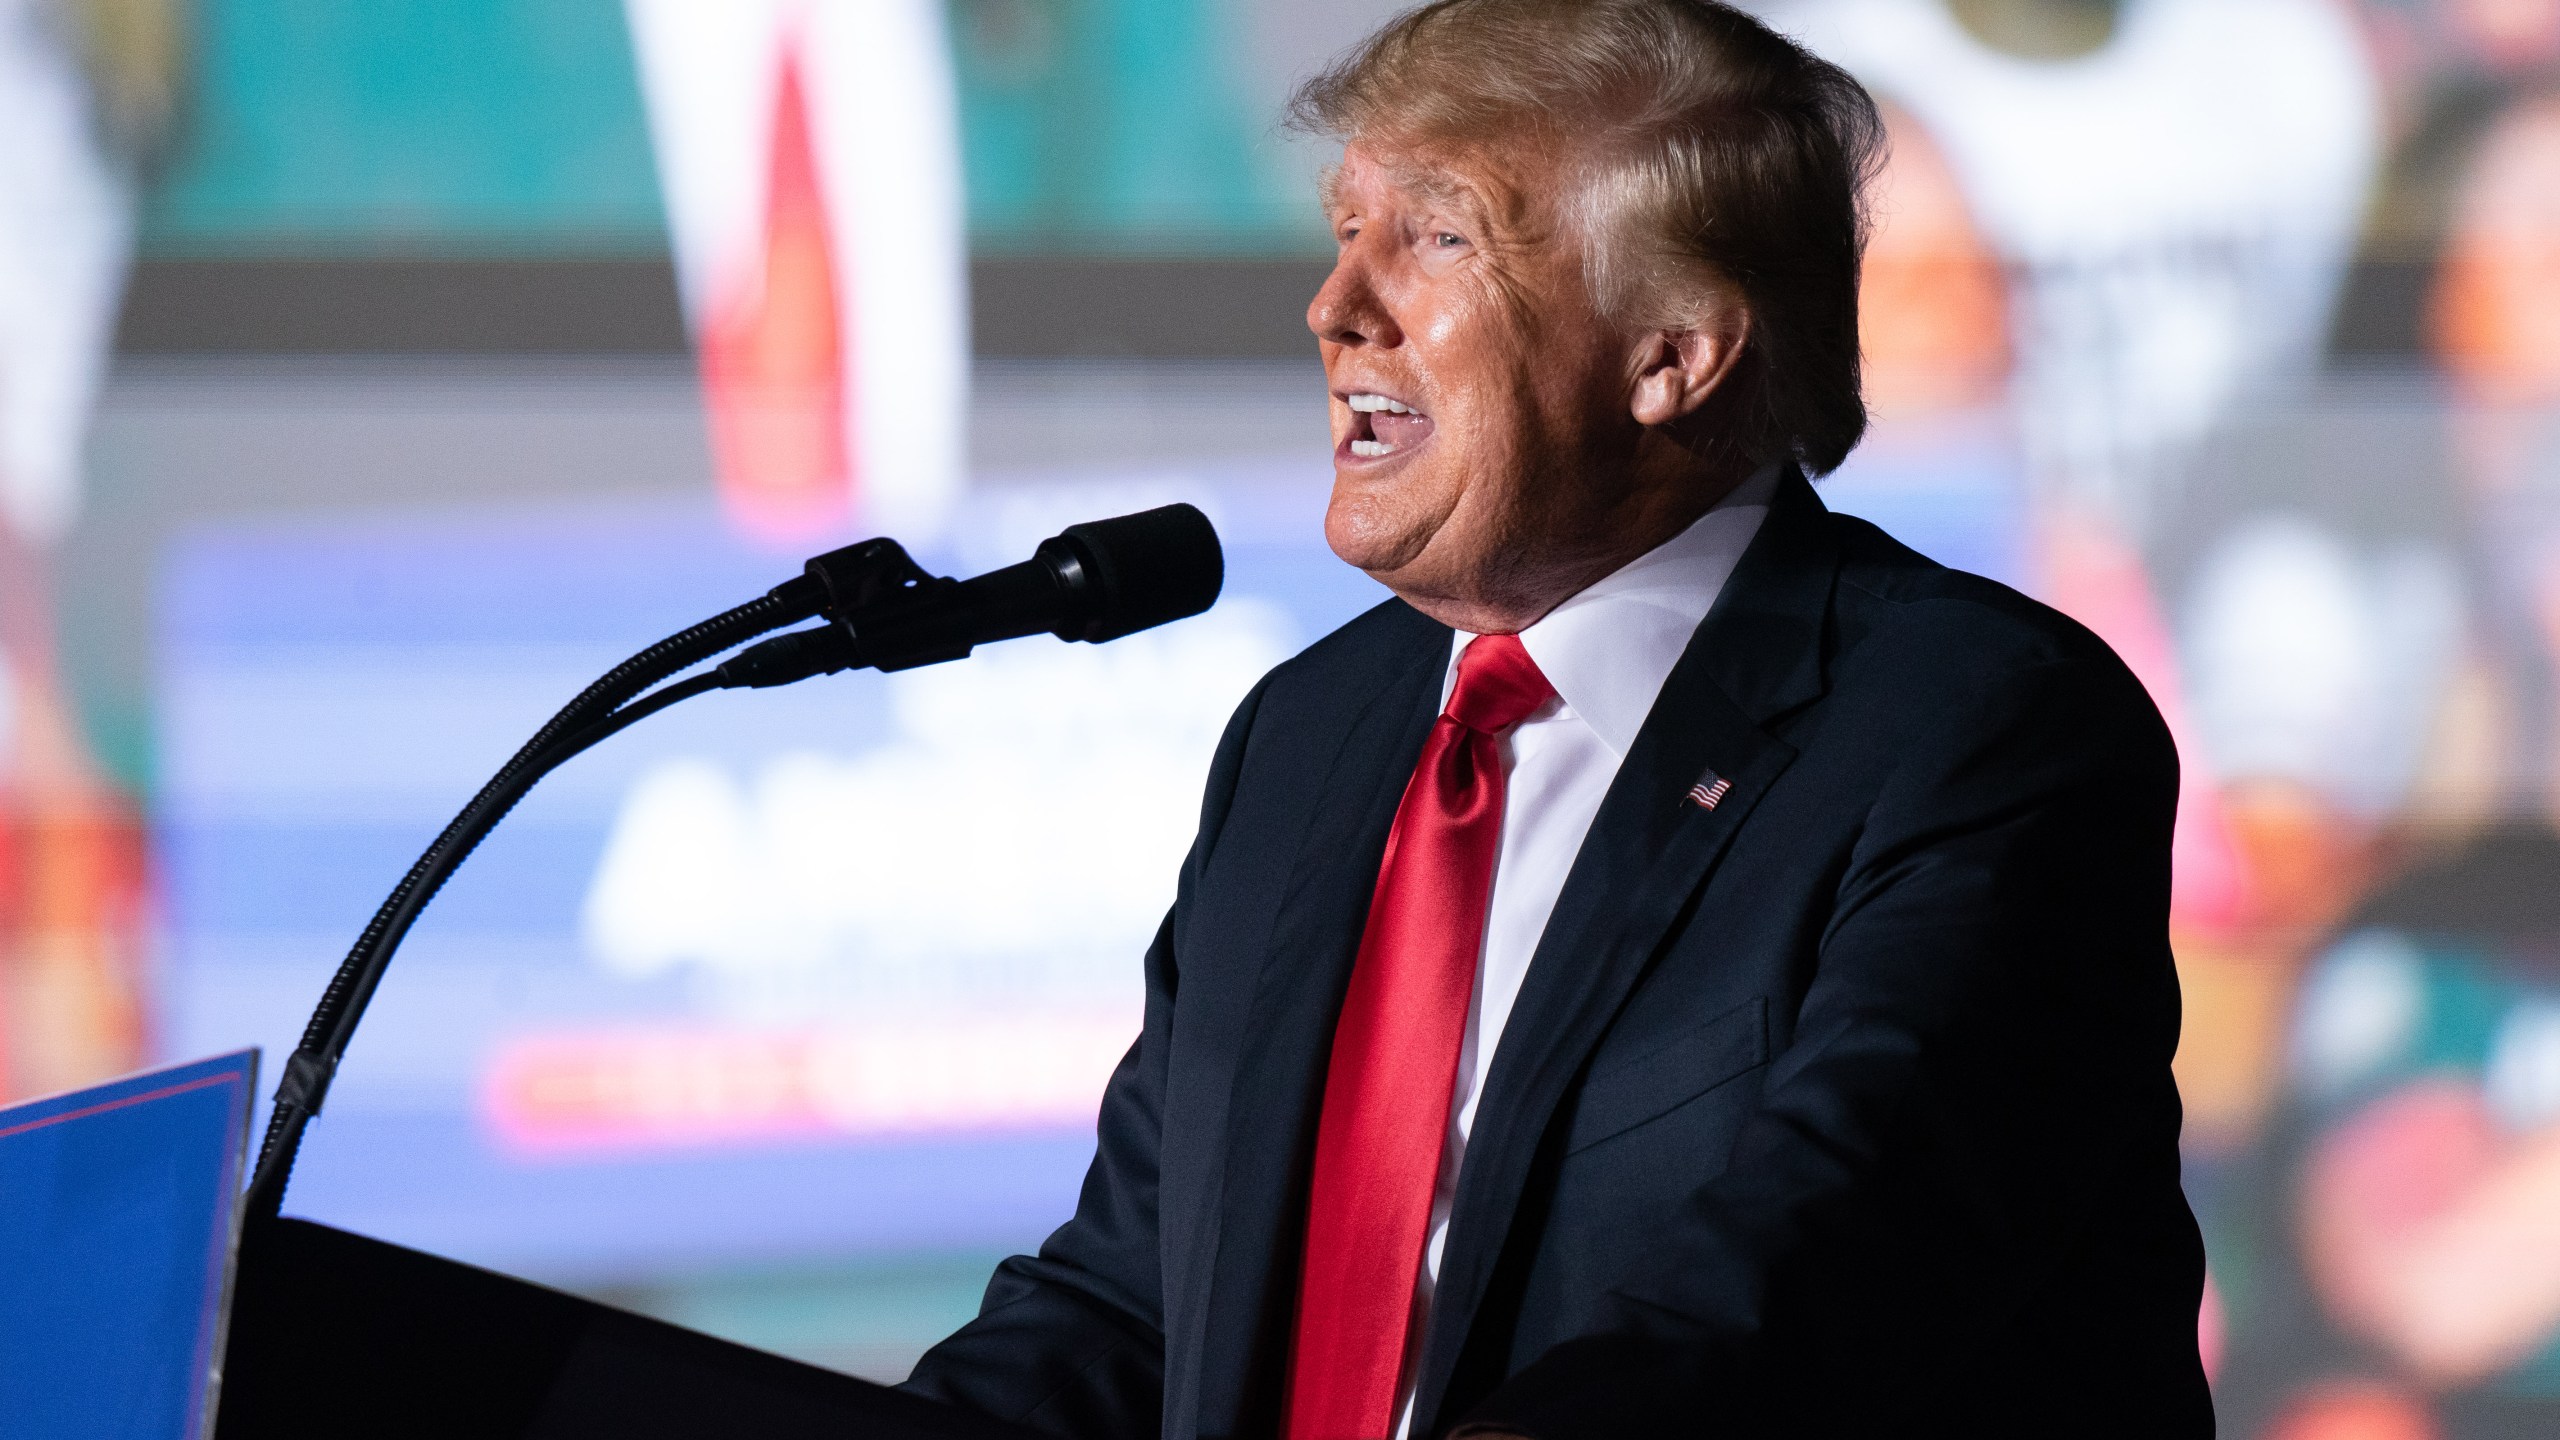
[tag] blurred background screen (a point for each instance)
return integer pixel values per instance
(372, 376)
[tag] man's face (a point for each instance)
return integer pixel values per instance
(1483, 443)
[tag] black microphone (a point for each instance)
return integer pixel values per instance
(1093, 582)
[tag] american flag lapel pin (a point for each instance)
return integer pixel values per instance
(1709, 791)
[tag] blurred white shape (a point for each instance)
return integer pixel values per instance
(674, 873)
(1035, 802)
(883, 124)
(66, 232)
(2359, 1012)
(2523, 1078)
(1025, 1070)
(2310, 663)
(2176, 209)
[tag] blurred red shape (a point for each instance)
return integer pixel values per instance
(773, 356)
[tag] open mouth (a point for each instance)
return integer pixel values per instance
(1382, 425)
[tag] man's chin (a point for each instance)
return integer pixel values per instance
(1365, 534)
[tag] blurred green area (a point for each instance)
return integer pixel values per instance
(515, 127)
(870, 1320)
(439, 126)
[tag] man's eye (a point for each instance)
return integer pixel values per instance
(1447, 241)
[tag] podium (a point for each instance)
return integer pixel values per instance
(334, 1334)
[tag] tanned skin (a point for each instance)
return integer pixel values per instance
(1552, 444)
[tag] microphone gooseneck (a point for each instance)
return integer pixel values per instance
(1093, 582)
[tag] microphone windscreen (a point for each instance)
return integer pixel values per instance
(1146, 569)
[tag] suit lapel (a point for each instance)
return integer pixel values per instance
(1280, 1072)
(1698, 767)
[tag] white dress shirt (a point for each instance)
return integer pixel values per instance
(1607, 651)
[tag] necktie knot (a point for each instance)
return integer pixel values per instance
(1498, 685)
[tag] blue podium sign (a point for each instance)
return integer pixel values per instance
(119, 1215)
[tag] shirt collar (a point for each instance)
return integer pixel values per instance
(1609, 648)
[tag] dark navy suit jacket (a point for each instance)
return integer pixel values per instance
(1841, 1107)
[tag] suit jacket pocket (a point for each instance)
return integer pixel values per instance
(1623, 1094)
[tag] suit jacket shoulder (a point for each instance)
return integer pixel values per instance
(1885, 582)
(1939, 636)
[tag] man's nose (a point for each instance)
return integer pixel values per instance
(1348, 310)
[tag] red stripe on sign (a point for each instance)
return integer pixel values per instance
(130, 1100)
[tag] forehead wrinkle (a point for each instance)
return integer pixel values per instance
(1464, 183)
(1433, 186)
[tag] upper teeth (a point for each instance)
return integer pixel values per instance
(1379, 402)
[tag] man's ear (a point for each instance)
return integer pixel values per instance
(1676, 370)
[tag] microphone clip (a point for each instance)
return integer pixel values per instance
(858, 584)
(873, 572)
(892, 613)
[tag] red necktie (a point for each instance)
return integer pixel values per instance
(1395, 1058)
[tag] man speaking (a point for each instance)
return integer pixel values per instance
(1688, 964)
